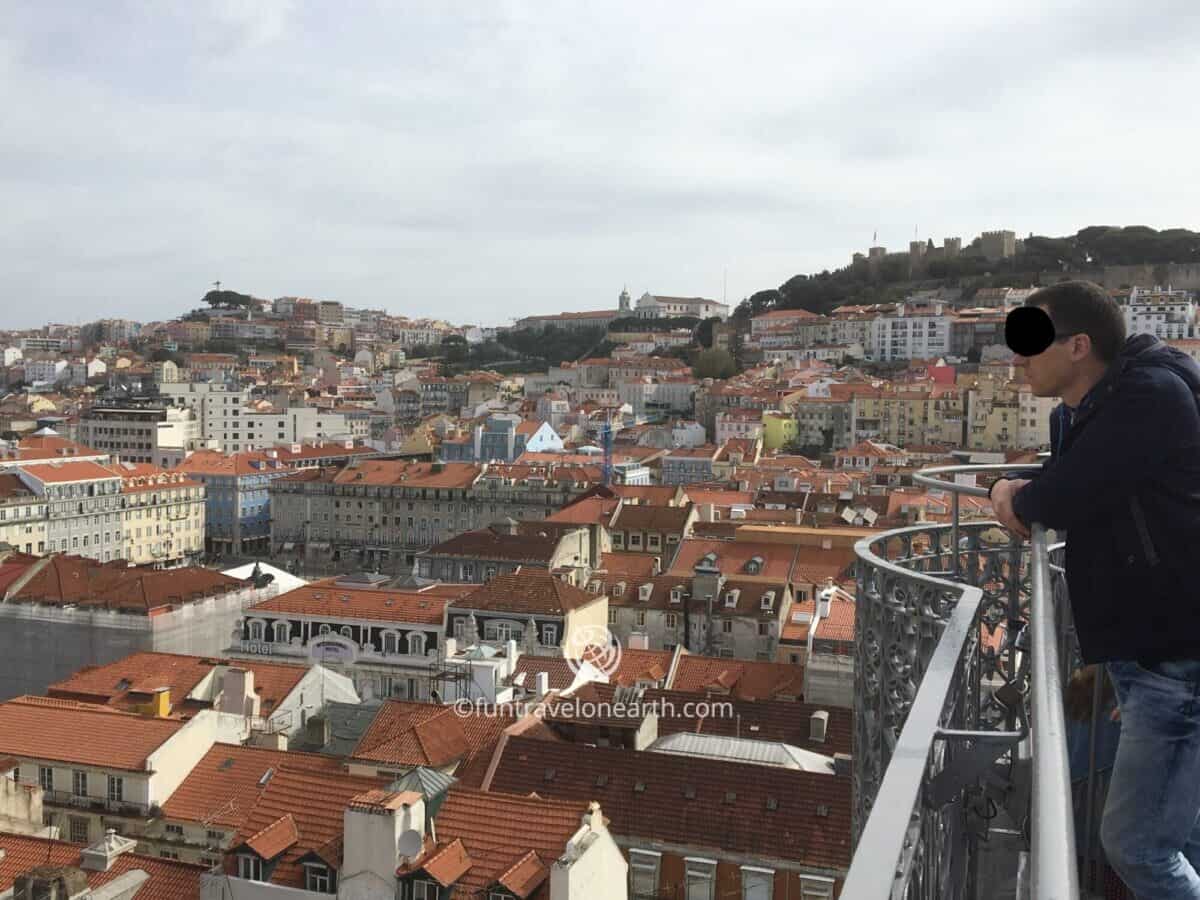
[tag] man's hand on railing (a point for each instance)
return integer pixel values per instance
(1002, 494)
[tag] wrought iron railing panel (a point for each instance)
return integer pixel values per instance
(943, 692)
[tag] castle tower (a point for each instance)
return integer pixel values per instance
(624, 300)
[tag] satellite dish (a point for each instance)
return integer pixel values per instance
(409, 844)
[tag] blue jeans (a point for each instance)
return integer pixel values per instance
(1150, 832)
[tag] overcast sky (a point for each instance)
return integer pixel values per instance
(482, 160)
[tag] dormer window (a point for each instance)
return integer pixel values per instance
(594, 587)
(768, 600)
(731, 598)
(250, 867)
(676, 595)
(318, 879)
(754, 566)
(619, 589)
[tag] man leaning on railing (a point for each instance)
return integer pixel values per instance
(1123, 481)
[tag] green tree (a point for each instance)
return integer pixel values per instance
(704, 331)
(714, 364)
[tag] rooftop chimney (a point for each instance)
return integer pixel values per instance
(237, 693)
(818, 725)
(541, 684)
(100, 856)
(382, 831)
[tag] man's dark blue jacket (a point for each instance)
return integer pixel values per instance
(1123, 480)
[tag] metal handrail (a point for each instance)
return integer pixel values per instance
(1052, 846)
(884, 851)
(904, 779)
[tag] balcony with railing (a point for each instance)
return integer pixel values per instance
(964, 642)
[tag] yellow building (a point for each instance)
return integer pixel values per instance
(162, 517)
(1004, 415)
(909, 415)
(779, 430)
(22, 515)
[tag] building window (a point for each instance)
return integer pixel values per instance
(727, 626)
(416, 643)
(671, 620)
(612, 617)
(550, 635)
(641, 617)
(816, 888)
(214, 835)
(78, 830)
(116, 788)
(425, 890)
(46, 778)
(318, 879)
(173, 830)
(700, 878)
(281, 632)
(391, 642)
(256, 631)
(643, 874)
(249, 867)
(79, 783)
(757, 884)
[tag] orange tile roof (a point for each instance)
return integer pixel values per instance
(408, 733)
(448, 864)
(76, 470)
(779, 560)
(411, 474)
(500, 830)
(528, 592)
(272, 840)
(118, 683)
(50, 729)
(524, 875)
(114, 585)
(222, 787)
(327, 597)
(701, 804)
(169, 880)
(316, 802)
(744, 679)
(214, 462)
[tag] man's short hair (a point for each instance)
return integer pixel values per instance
(1083, 307)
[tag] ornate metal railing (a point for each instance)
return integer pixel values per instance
(961, 783)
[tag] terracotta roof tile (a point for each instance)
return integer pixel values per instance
(46, 728)
(448, 864)
(500, 830)
(410, 474)
(692, 802)
(315, 801)
(269, 842)
(526, 593)
(221, 789)
(327, 597)
(523, 876)
(778, 560)
(407, 733)
(669, 519)
(745, 679)
(114, 585)
(124, 683)
(169, 880)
